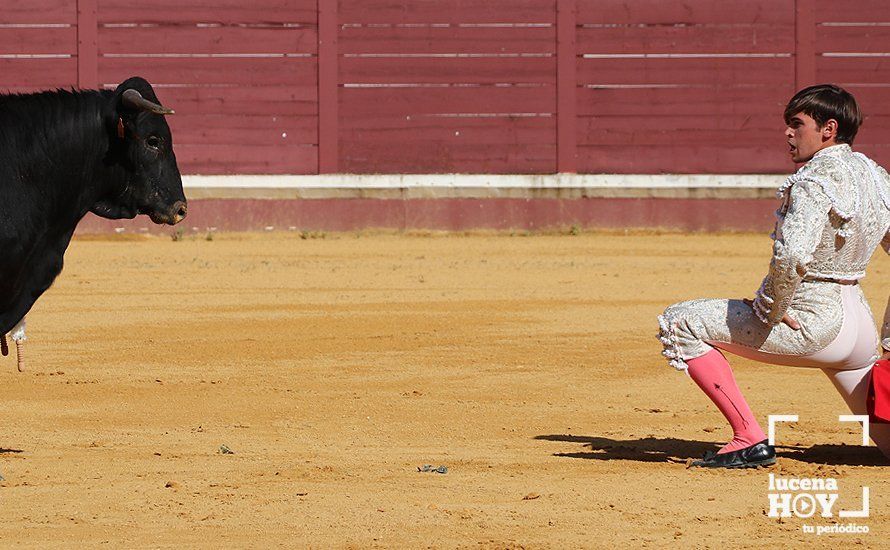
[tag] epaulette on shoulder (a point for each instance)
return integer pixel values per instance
(823, 172)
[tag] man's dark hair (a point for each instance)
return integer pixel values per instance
(824, 102)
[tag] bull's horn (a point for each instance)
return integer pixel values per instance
(133, 98)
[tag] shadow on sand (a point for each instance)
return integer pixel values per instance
(10, 451)
(655, 449)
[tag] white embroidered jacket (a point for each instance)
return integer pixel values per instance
(835, 211)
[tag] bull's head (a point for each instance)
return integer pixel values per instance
(142, 151)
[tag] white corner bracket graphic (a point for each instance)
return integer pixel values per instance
(863, 418)
(861, 513)
(772, 419)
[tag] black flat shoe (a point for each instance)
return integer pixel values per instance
(759, 454)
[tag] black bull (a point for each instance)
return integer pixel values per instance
(63, 154)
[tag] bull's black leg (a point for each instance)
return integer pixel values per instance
(44, 268)
(43, 278)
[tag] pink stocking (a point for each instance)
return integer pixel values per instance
(713, 375)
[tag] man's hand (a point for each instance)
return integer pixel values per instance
(785, 318)
(790, 322)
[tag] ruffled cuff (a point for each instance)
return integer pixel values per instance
(668, 337)
(762, 305)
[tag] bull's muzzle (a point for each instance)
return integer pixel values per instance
(180, 209)
(173, 215)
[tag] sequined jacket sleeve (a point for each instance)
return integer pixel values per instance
(798, 232)
(885, 330)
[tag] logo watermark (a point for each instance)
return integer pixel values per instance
(815, 496)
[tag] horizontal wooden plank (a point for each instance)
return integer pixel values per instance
(700, 38)
(729, 122)
(19, 74)
(236, 100)
(450, 39)
(39, 12)
(421, 156)
(181, 39)
(246, 159)
(593, 136)
(32, 40)
(488, 70)
(24, 89)
(446, 11)
(216, 71)
(681, 130)
(845, 71)
(225, 12)
(687, 101)
(858, 11)
(688, 12)
(683, 159)
(417, 101)
(479, 131)
(235, 130)
(709, 71)
(859, 38)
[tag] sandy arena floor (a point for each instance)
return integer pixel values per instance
(334, 367)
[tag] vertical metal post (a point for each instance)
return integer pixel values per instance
(805, 43)
(566, 82)
(87, 44)
(328, 87)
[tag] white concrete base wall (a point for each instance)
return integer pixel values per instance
(546, 181)
(412, 186)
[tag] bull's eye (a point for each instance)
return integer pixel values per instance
(154, 142)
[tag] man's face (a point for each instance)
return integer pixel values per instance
(806, 137)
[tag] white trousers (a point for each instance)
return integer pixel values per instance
(847, 360)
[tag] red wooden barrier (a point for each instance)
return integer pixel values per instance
(851, 48)
(566, 86)
(328, 88)
(448, 86)
(242, 77)
(87, 44)
(38, 45)
(501, 86)
(683, 87)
